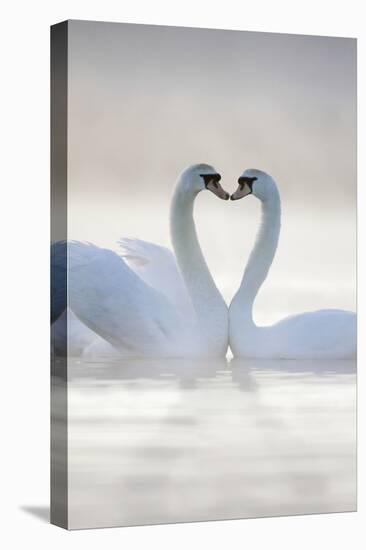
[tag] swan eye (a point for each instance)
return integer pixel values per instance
(246, 180)
(213, 178)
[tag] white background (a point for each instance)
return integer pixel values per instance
(25, 246)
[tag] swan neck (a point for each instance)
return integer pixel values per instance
(207, 301)
(261, 257)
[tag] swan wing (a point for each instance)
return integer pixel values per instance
(157, 266)
(111, 299)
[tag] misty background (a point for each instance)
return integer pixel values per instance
(147, 101)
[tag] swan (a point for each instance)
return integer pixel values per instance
(324, 334)
(154, 264)
(175, 308)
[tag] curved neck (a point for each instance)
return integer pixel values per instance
(260, 259)
(206, 298)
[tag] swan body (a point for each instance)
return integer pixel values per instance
(145, 301)
(323, 334)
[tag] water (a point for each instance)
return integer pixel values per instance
(169, 441)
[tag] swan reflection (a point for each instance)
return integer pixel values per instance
(181, 440)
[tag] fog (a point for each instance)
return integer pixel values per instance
(147, 101)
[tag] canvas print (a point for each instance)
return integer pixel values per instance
(203, 274)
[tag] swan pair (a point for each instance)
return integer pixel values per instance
(148, 302)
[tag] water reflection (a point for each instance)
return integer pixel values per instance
(164, 441)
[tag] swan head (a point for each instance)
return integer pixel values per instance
(199, 177)
(257, 183)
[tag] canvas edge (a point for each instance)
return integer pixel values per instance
(59, 429)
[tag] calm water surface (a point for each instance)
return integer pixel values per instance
(168, 441)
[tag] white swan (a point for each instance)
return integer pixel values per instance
(324, 334)
(154, 264)
(163, 315)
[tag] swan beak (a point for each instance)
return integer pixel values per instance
(242, 191)
(214, 186)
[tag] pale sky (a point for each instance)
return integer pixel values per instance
(147, 101)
